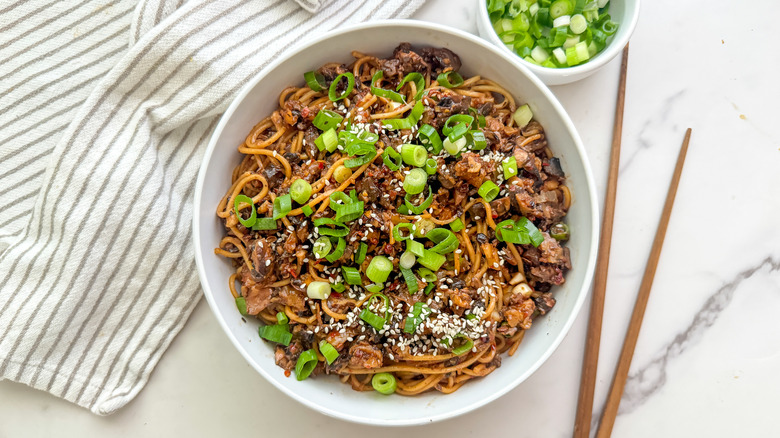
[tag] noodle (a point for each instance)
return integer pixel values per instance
(475, 313)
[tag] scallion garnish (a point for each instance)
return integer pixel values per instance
(407, 122)
(341, 230)
(384, 383)
(450, 79)
(300, 190)
(332, 91)
(418, 209)
(420, 311)
(361, 253)
(465, 347)
(430, 138)
(391, 158)
(314, 80)
(381, 92)
(429, 288)
(282, 206)
(379, 269)
(414, 155)
(322, 247)
(488, 190)
(536, 236)
(241, 305)
(329, 351)
(318, 290)
(456, 225)
(338, 251)
(305, 365)
(410, 279)
(427, 275)
(278, 333)
(431, 260)
(419, 83)
(338, 287)
(264, 224)
(351, 275)
(252, 217)
(307, 210)
(559, 231)
(327, 119)
(510, 167)
(416, 180)
(397, 230)
(445, 240)
(430, 166)
(415, 247)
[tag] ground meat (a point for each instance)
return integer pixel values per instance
(257, 298)
(330, 71)
(404, 61)
(291, 297)
(518, 311)
(546, 274)
(473, 169)
(286, 358)
(500, 206)
(450, 104)
(365, 355)
(338, 339)
(368, 189)
(552, 252)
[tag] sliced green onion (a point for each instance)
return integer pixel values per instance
(329, 351)
(420, 311)
(609, 27)
(391, 158)
(314, 80)
(379, 269)
(429, 288)
(327, 119)
(341, 174)
(430, 166)
(560, 8)
(307, 210)
(510, 167)
(407, 122)
(476, 139)
(341, 230)
(523, 115)
(318, 290)
(334, 85)
(338, 252)
(419, 82)
(415, 247)
(454, 147)
(411, 280)
(415, 181)
(536, 236)
(429, 137)
(384, 383)
(374, 288)
(456, 225)
(431, 260)
(422, 226)
(450, 79)
(508, 231)
(467, 345)
(351, 275)
(275, 333)
(305, 365)
(363, 153)
(578, 24)
(418, 209)
(427, 275)
(455, 120)
(361, 253)
(281, 318)
(445, 240)
(401, 237)
(349, 212)
(241, 305)
(372, 319)
(338, 287)
(559, 231)
(414, 155)
(264, 224)
(327, 141)
(282, 206)
(489, 190)
(300, 191)
(407, 259)
(252, 217)
(381, 92)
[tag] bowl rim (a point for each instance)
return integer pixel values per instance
(609, 52)
(588, 176)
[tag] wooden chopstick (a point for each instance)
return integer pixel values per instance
(591, 358)
(632, 334)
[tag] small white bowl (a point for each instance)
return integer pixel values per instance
(259, 97)
(623, 12)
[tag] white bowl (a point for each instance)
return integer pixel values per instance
(259, 98)
(624, 12)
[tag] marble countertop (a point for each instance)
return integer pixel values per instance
(707, 358)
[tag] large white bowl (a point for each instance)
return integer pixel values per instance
(624, 12)
(260, 96)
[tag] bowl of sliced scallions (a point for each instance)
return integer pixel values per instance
(561, 41)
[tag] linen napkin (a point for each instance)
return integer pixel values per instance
(107, 109)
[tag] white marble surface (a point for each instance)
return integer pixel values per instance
(707, 359)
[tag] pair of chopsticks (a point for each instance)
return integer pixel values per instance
(590, 361)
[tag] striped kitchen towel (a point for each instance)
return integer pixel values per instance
(107, 107)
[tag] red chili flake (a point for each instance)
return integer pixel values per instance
(495, 215)
(292, 272)
(287, 373)
(335, 294)
(321, 164)
(388, 248)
